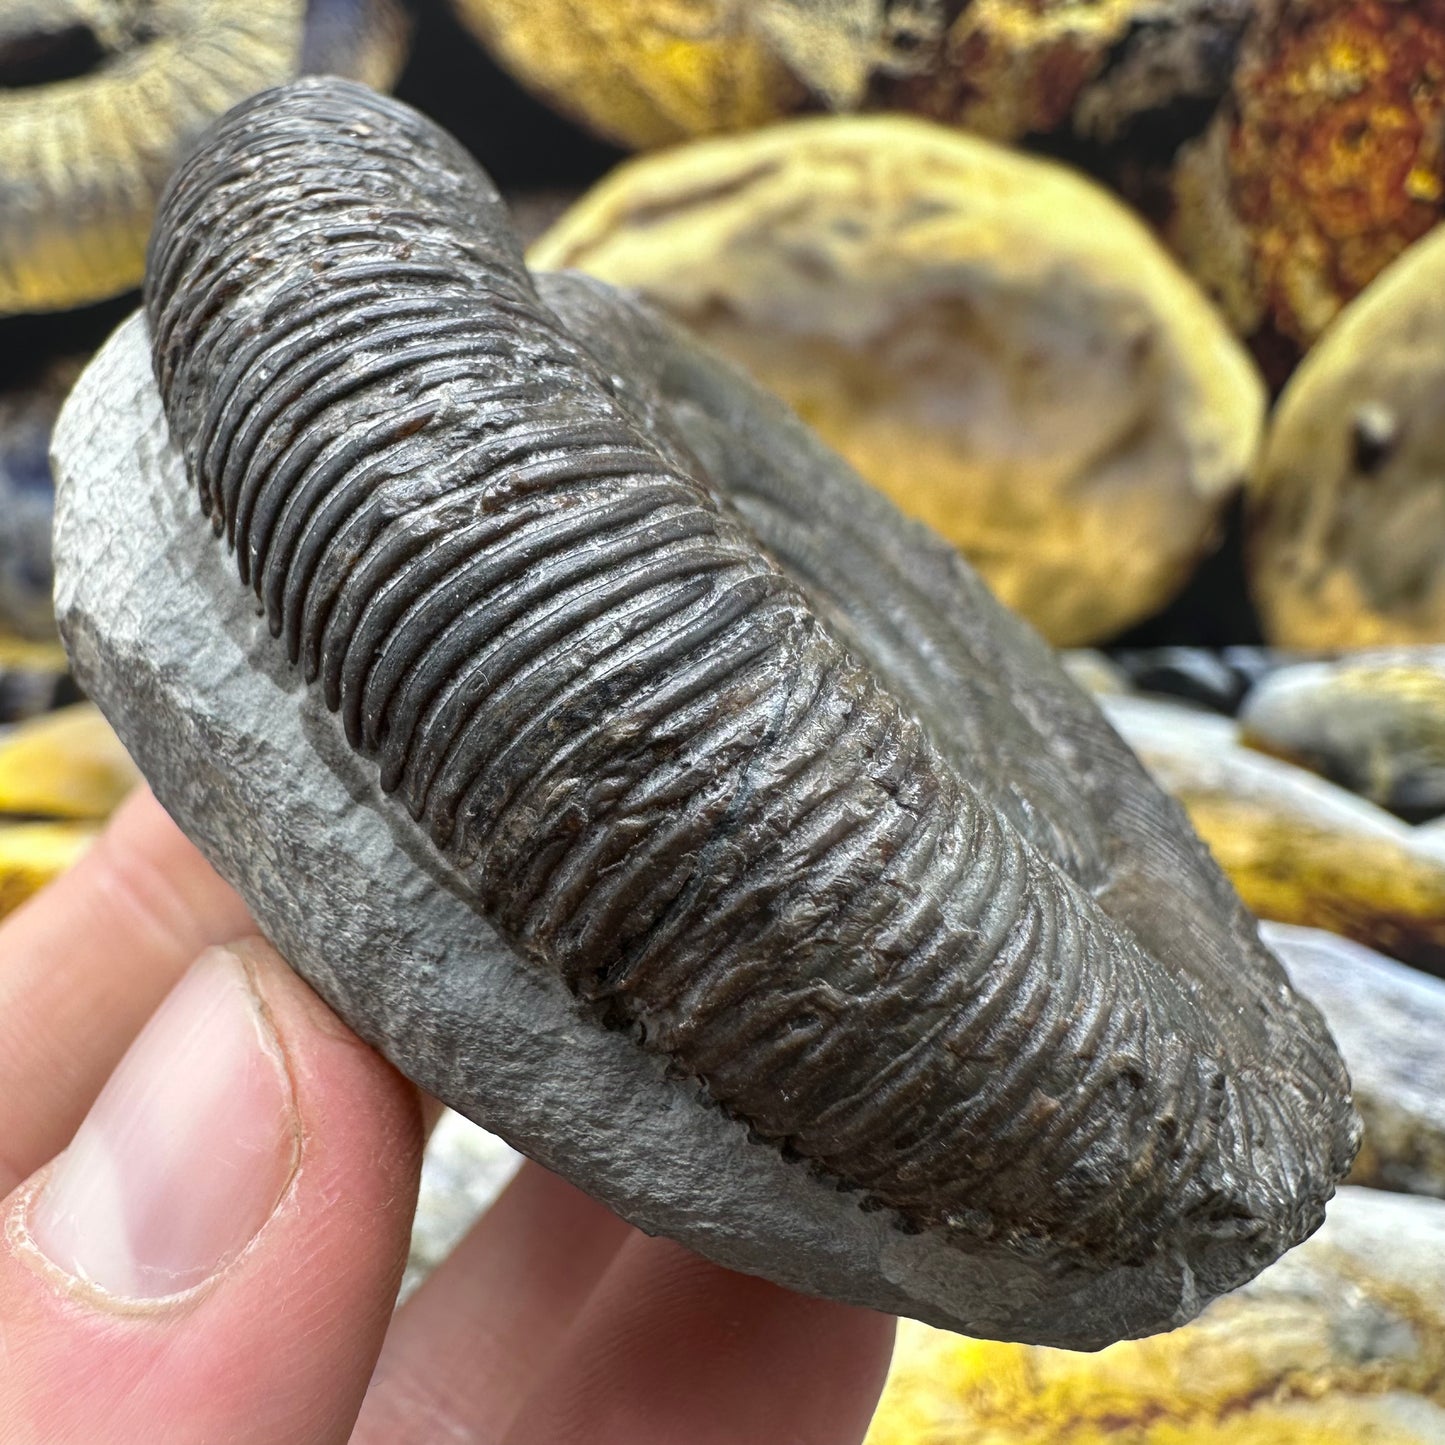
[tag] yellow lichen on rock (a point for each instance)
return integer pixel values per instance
(1342, 1342)
(67, 764)
(32, 854)
(989, 338)
(1347, 512)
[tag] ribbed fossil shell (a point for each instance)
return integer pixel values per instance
(939, 973)
(992, 339)
(99, 99)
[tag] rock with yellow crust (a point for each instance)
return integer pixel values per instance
(1342, 1342)
(1297, 848)
(1347, 511)
(1325, 162)
(99, 99)
(67, 764)
(990, 339)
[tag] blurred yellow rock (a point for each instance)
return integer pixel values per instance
(991, 339)
(1297, 848)
(1342, 1342)
(67, 764)
(31, 854)
(644, 72)
(1347, 512)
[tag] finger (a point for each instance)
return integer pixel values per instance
(85, 963)
(216, 1255)
(670, 1348)
(467, 1348)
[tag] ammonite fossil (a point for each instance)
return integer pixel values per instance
(99, 99)
(992, 339)
(1347, 509)
(711, 833)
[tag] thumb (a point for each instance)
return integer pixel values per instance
(216, 1255)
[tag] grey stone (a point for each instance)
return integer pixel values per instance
(1389, 1021)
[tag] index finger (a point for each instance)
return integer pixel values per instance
(86, 962)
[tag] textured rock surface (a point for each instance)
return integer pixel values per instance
(1340, 1343)
(1347, 509)
(1298, 849)
(255, 769)
(995, 342)
(1389, 1022)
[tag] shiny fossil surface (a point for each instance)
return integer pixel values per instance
(1389, 1021)
(871, 901)
(99, 98)
(1298, 848)
(1342, 1342)
(991, 339)
(1371, 721)
(1347, 511)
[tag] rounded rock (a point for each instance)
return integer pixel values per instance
(991, 339)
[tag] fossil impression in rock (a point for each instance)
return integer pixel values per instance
(100, 98)
(647, 787)
(1347, 508)
(992, 339)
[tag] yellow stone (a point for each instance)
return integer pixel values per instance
(1297, 848)
(989, 338)
(644, 72)
(1347, 511)
(31, 854)
(66, 764)
(1342, 1342)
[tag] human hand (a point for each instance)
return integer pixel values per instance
(216, 1256)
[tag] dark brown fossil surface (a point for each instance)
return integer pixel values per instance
(711, 735)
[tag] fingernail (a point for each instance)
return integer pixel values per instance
(186, 1152)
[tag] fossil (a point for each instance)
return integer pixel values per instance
(99, 98)
(932, 995)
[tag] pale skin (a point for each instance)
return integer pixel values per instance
(552, 1324)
